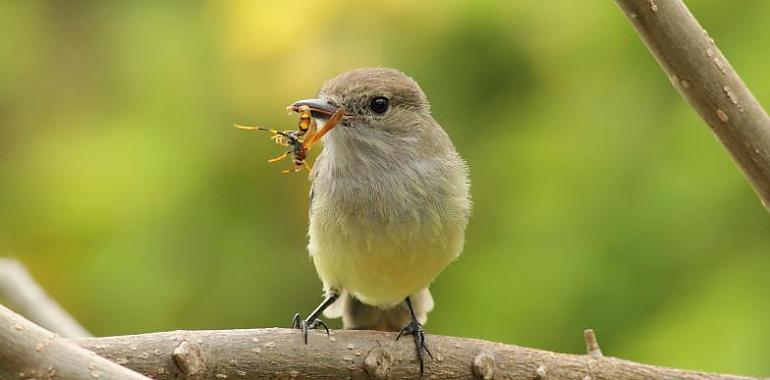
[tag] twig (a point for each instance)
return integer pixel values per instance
(701, 73)
(280, 353)
(592, 345)
(21, 290)
(28, 351)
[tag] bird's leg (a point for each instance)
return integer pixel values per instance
(312, 320)
(415, 329)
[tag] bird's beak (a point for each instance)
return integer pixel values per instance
(319, 108)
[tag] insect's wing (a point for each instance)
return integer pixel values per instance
(312, 128)
(331, 123)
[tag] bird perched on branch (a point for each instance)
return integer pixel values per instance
(389, 204)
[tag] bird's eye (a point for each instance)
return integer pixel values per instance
(379, 104)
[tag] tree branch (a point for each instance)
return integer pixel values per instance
(21, 290)
(280, 353)
(701, 73)
(28, 351)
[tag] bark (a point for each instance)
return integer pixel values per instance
(28, 351)
(281, 353)
(701, 73)
(21, 291)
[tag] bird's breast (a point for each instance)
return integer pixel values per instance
(384, 233)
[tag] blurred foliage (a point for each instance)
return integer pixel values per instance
(601, 200)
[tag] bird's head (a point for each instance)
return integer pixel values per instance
(377, 101)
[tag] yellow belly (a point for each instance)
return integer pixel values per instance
(382, 264)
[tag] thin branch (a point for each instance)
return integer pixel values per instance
(701, 73)
(592, 345)
(27, 351)
(280, 353)
(21, 290)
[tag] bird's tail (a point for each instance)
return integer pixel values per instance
(359, 316)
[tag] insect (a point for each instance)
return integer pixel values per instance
(301, 140)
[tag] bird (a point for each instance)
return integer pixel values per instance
(389, 204)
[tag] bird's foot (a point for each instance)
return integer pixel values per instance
(307, 324)
(415, 329)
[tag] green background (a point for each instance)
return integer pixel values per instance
(601, 199)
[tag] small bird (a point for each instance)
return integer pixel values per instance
(389, 204)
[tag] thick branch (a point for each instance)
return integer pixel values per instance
(21, 290)
(28, 351)
(703, 76)
(280, 353)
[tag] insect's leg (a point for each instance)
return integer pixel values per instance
(248, 128)
(279, 139)
(281, 157)
(293, 169)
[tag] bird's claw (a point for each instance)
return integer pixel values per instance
(306, 325)
(415, 329)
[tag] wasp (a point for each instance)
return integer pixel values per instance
(304, 137)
